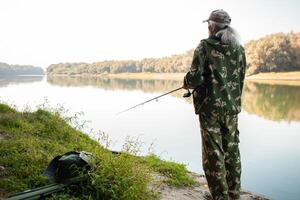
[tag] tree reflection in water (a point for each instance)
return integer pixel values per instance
(13, 80)
(273, 102)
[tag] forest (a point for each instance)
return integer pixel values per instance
(13, 70)
(173, 64)
(272, 53)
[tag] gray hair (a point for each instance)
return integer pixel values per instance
(226, 33)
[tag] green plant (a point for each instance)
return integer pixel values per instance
(33, 139)
(177, 174)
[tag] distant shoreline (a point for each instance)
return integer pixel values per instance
(290, 76)
(146, 76)
(276, 81)
(276, 78)
(281, 77)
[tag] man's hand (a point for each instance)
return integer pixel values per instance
(186, 87)
(185, 83)
(187, 94)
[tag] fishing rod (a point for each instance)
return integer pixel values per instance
(44, 191)
(155, 98)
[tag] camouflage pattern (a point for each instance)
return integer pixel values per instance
(216, 77)
(220, 156)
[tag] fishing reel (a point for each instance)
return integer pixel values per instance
(185, 87)
(187, 93)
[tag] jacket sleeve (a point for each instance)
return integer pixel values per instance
(194, 77)
(243, 71)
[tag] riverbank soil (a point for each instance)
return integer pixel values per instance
(198, 192)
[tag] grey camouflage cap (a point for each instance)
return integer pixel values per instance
(219, 16)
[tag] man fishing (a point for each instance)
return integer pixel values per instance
(216, 77)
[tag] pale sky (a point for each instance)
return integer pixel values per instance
(43, 32)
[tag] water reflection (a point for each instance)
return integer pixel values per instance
(116, 83)
(274, 102)
(8, 80)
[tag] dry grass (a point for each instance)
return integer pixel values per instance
(277, 76)
(276, 82)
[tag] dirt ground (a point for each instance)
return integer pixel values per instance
(199, 192)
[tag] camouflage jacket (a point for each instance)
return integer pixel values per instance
(217, 75)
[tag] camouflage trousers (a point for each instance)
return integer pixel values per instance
(221, 156)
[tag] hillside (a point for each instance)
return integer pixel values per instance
(13, 70)
(272, 53)
(30, 140)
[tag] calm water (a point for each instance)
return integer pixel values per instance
(269, 123)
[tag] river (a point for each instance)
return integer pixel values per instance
(269, 123)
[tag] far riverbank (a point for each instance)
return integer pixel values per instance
(275, 78)
(145, 76)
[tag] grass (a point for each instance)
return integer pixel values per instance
(30, 140)
(175, 174)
